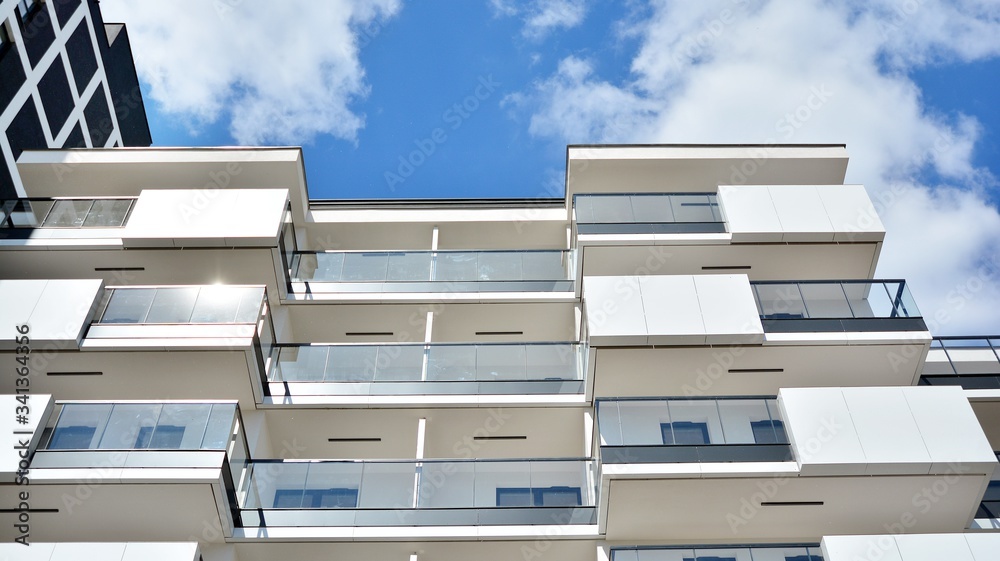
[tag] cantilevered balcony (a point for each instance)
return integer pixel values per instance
(667, 335)
(172, 455)
(717, 553)
(430, 275)
(327, 493)
(648, 213)
(363, 371)
(691, 431)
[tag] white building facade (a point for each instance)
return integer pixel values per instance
(688, 357)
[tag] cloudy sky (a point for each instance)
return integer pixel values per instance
(491, 91)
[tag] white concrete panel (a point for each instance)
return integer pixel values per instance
(57, 312)
(750, 213)
(728, 309)
(950, 430)
(984, 546)
(161, 551)
(889, 436)
(33, 552)
(822, 434)
(205, 217)
(801, 213)
(851, 548)
(672, 313)
(614, 311)
(933, 547)
(851, 213)
(14, 435)
(88, 551)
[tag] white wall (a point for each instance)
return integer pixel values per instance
(915, 547)
(120, 551)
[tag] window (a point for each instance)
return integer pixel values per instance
(768, 432)
(5, 40)
(316, 498)
(684, 433)
(165, 436)
(72, 438)
(544, 496)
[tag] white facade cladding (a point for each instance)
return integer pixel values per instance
(686, 357)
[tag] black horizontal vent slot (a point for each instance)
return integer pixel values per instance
(522, 437)
(75, 373)
(792, 503)
(369, 334)
(359, 439)
(725, 268)
(107, 269)
(499, 333)
(754, 370)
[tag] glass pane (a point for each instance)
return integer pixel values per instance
(825, 300)
(399, 363)
(640, 422)
(697, 412)
(780, 301)
(351, 363)
(274, 484)
(551, 362)
(251, 304)
(545, 265)
(652, 208)
(332, 485)
(666, 555)
(447, 485)
(181, 426)
(457, 266)
(387, 485)
(613, 209)
(609, 423)
(68, 214)
(326, 267)
(301, 364)
(713, 554)
(501, 483)
(584, 207)
(500, 362)
(108, 213)
(220, 426)
(693, 208)
(130, 426)
(172, 305)
(559, 483)
(79, 426)
(128, 305)
(409, 267)
(362, 267)
(451, 362)
(222, 304)
(747, 421)
(500, 266)
(28, 213)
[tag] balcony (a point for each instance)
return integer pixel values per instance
(393, 275)
(970, 362)
(417, 369)
(836, 306)
(648, 213)
(420, 493)
(182, 456)
(716, 553)
(19, 218)
(988, 514)
(691, 431)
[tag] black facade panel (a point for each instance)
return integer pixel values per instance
(82, 58)
(64, 9)
(125, 93)
(75, 138)
(25, 131)
(7, 190)
(57, 99)
(98, 117)
(38, 31)
(11, 75)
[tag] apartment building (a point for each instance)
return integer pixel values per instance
(688, 357)
(67, 80)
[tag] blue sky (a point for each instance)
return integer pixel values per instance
(908, 85)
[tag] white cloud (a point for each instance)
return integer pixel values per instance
(278, 71)
(543, 16)
(799, 71)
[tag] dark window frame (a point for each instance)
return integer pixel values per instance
(535, 495)
(27, 10)
(671, 430)
(315, 497)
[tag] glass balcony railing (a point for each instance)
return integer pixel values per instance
(691, 430)
(851, 305)
(435, 271)
(970, 362)
(182, 304)
(989, 508)
(428, 369)
(420, 493)
(716, 553)
(19, 215)
(648, 213)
